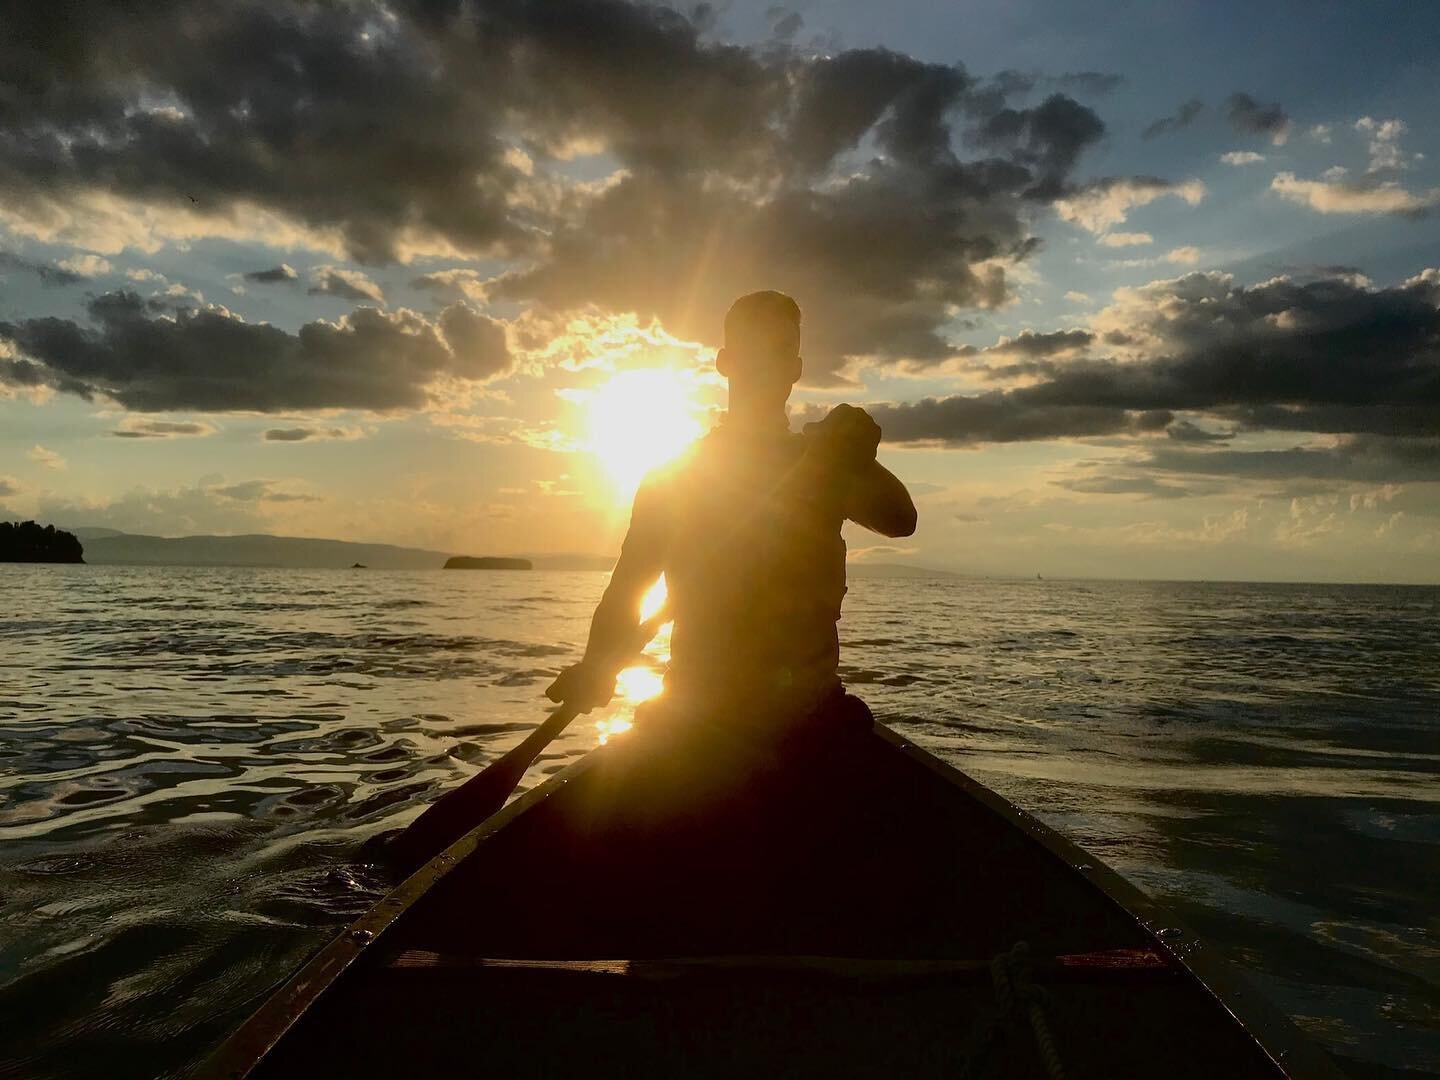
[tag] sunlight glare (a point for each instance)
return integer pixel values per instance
(638, 420)
(654, 599)
(632, 686)
(637, 684)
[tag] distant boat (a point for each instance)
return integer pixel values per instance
(1039, 578)
(359, 566)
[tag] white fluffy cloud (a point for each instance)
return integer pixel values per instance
(1106, 203)
(85, 265)
(1338, 196)
(1126, 239)
(46, 458)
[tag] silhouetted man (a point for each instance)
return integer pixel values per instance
(746, 529)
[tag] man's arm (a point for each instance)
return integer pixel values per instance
(591, 683)
(877, 499)
(843, 446)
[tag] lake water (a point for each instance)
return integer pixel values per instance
(189, 759)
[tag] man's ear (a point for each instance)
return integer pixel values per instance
(722, 363)
(796, 367)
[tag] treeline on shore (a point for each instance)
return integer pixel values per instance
(26, 541)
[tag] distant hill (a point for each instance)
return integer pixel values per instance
(895, 570)
(486, 562)
(113, 547)
(257, 549)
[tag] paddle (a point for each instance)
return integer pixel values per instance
(457, 812)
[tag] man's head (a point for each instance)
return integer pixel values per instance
(761, 357)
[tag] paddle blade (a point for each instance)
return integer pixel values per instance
(459, 811)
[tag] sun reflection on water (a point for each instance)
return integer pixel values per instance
(639, 682)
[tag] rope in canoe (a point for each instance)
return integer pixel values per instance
(1015, 990)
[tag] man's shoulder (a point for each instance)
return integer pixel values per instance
(664, 476)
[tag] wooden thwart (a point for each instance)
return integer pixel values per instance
(1112, 963)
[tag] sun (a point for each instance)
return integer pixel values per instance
(638, 420)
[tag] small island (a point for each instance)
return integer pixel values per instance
(25, 541)
(487, 562)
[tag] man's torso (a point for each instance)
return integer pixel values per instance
(755, 570)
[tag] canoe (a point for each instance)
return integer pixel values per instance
(686, 903)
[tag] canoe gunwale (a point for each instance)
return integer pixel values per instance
(1274, 1034)
(239, 1054)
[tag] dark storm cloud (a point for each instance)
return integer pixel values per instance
(1333, 356)
(1359, 459)
(1003, 418)
(1186, 432)
(1250, 117)
(884, 191)
(1183, 117)
(48, 275)
(211, 360)
(275, 274)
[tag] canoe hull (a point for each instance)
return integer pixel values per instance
(895, 874)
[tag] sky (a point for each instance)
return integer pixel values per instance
(1133, 290)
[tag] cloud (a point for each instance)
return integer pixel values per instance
(211, 360)
(1105, 203)
(275, 274)
(1123, 485)
(1355, 460)
(784, 24)
(1126, 239)
(1242, 157)
(478, 343)
(1077, 297)
(1002, 417)
(311, 434)
(1363, 197)
(48, 275)
(249, 491)
(165, 512)
(141, 274)
(135, 428)
(344, 284)
(1386, 156)
(1187, 255)
(882, 190)
(1250, 117)
(1186, 432)
(1333, 355)
(457, 282)
(1374, 498)
(1321, 134)
(1183, 117)
(1212, 530)
(10, 486)
(45, 458)
(85, 265)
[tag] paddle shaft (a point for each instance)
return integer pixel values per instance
(457, 812)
